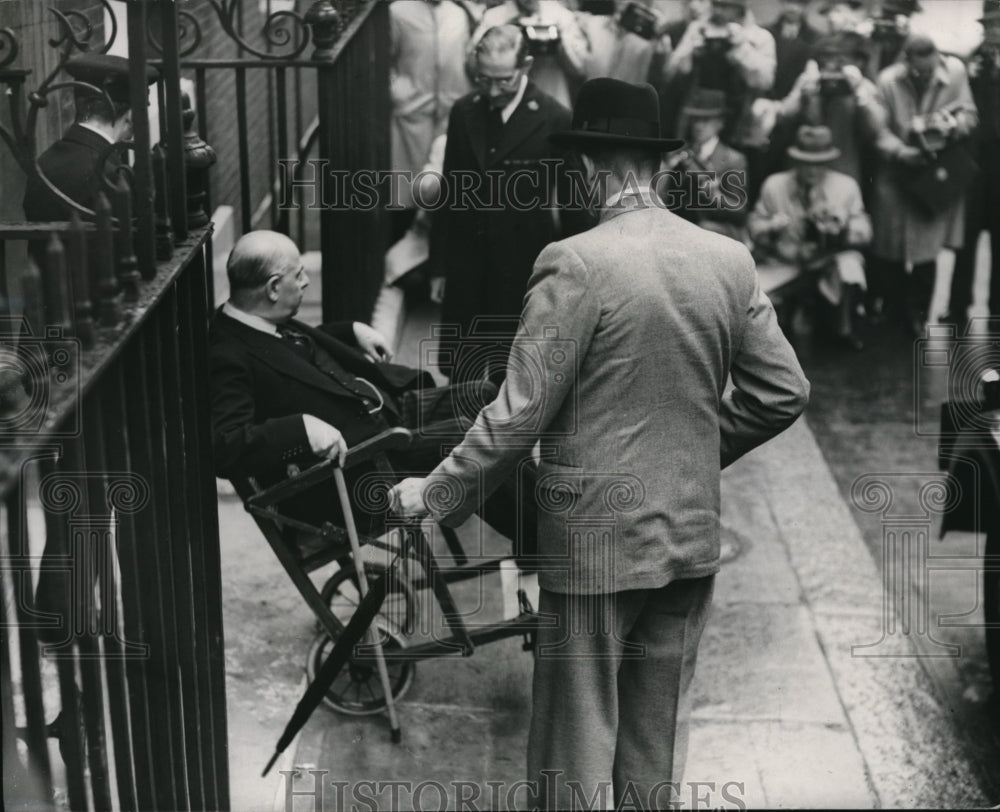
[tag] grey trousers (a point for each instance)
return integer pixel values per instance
(611, 695)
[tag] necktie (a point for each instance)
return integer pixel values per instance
(300, 342)
(494, 127)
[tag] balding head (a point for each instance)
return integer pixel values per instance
(922, 56)
(266, 276)
(919, 45)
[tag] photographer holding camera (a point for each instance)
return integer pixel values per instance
(555, 42)
(675, 90)
(918, 206)
(729, 42)
(628, 39)
(832, 91)
(888, 32)
(811, 219)
(731, 53)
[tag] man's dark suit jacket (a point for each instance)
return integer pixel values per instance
(73, 165)
(792, 55)
(487, 256)
(261, 387)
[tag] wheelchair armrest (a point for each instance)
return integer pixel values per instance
(388, 440)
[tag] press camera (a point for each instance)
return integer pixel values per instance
(641, 21)
(543, 40)
(717, 40)
(834, 83)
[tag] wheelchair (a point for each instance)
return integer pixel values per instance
(363, 659)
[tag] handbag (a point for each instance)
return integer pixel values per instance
(936, 187)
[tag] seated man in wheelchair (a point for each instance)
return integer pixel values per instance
(286, 396)
(807, 227)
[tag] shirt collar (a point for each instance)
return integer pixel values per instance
(250, 320)
(508, 111)
(705, 150)
(941, 75)
(93, 129)
(630, 197)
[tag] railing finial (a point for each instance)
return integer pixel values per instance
(324, 20)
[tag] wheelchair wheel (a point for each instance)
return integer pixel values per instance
(991, 597)
(357, 690)
(343, 594)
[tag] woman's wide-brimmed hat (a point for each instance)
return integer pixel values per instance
(610, 112)
(813, 145)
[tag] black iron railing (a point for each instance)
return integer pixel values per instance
(109, 497)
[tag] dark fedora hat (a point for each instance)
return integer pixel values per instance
(107, 72)
(991, 10)
(616, 113)
(906, 7)
(705, 103)
(813, 145)
(829, 4)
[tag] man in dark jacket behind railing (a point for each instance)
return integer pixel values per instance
(79, 165)
(84, 160)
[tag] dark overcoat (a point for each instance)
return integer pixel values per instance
(76, 164)
(791, 56)
(485, 244)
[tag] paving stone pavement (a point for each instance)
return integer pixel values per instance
(784, 715)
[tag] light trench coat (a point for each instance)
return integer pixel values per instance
(902, 232)
(427, 74)
(838, 193)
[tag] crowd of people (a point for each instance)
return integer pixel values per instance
(861, 149)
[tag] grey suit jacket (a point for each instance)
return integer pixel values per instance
(629, 334)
